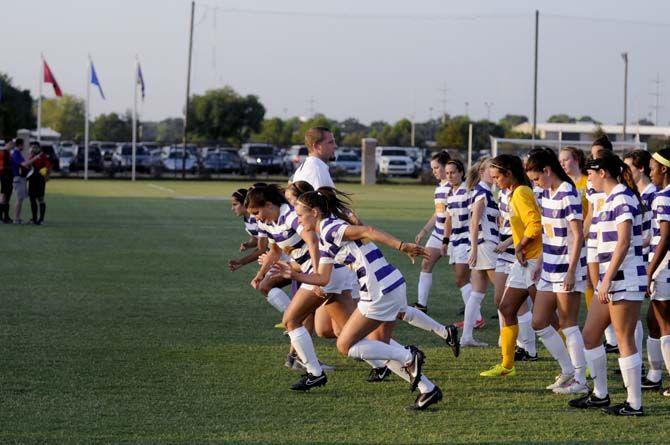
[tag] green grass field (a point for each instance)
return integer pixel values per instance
(120, 323)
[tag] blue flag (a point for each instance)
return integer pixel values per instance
(140, 79)
(95, 81)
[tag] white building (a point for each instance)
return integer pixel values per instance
(583, 131)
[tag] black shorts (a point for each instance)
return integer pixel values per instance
(6, 184)
(36, 186)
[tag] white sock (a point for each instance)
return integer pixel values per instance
(378, 350)
(610, 336)
(425, 283)
(420, 320)
(631, 370)
(302, 343)
(376, 363)
(575, 345)
(655, 357)
(524, 329)
(639, 336)
(278, 299)
(554, 343)
(396, 367)
(665, 350)
(596, 359)
(471, 313)
(465, 293)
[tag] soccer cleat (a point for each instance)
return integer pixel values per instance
(499, 371)
(624, 409)
(590, 401)
(649, 385)
(519, 353)
(574, 388)
(562, 380)
(461, 311)
(280, 325)
(309, 381)
(414, 366)
(611, 349)
(290, 361)
(420, 307)
(452, 340)
(423, 401)
(378, 374)
(666, 393)
(480, 323)
(471, 342)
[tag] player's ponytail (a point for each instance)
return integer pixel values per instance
(299, 187)
(329, 201)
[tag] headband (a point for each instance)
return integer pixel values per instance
(660, 159)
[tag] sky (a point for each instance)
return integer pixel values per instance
(368, 59)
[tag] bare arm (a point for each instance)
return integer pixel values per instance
(577, 230)
(319, 278)
(426, 228)
(353, 233)
(661, 249)
(588, 214)
(475, 218)
(261, 247)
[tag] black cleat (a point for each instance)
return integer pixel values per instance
(461, 311)
(611, 349)
(649, 385)
(308, 381)
(590, 401)
(624, 409)
(415, 366)
(420, 307)
(378, 374)
(452, 340)
(423, 401)
(521, 355)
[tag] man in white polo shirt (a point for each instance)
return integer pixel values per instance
(321, 148)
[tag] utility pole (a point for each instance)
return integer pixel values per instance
(188, 92)
(537, 32)
(467, 104)
(657, 95)
(443, 101)
(624, 56)
(311, 106)
(488, 106)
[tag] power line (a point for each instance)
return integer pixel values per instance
(607, 20)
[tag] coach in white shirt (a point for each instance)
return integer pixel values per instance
(321, 148)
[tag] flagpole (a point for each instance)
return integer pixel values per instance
(39, 100)
(88, 97)
(135, 116)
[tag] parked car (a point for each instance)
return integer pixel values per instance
(395, 161)
(123, 158)
(222, 162)
(174, 162)
(258, 158)
(295, 156)
(64, 146)
(350, 163)
(106, 147)
(65, 159)
(94, 159)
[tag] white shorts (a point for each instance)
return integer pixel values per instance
(459, 254)
(547, 286)
(661, 287)
(486, 256)
(339, 281)
(503, 266)
(520, 277)
(626, 295)
(434, 242)
(385, 307)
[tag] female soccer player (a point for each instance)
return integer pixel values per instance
(437, 223)
(257, 239)
(621, 287)
(456, 235)
(638, 162)
(508, 173)
(658, 275)
(483, 231)
(563, 275)
(383, 292)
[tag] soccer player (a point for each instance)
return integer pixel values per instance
(437, 223)
(6, 179)
(658, 275)
(483, 231)
(37, 179)
(563, 276)
(621, 287)
(456, 232)
(257, 238)
(367, 333)
(20, 168)
(508, 173)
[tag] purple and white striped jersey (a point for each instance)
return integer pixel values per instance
(488, 224)
(538, 191)
(458, 203)
(505, 229)
(621, 205)
(286, 234)
(660, 208)
(597, 201)
(440, 196)
(376, 276)
(647, 196)
(557, 211)
(251, 227)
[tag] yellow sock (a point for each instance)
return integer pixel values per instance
(508, 336)
(589, 297)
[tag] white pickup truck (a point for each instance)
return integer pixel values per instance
(395, 161)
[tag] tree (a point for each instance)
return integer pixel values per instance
(170, 130)
(222, 114)
(645, 121)
(561, 119)
(598, 132)
(453, 134)
(274, 131)
(111, 127)
(319, 120)
(588, 119)
(16, 108)
(66, 115)
(510, 121)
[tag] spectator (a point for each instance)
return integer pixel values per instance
(6, 186)
(20, 170)
(37, 178)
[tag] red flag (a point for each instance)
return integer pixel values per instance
(49, 78)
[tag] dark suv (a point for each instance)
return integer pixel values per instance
(260, 158)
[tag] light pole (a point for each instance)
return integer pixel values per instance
(624, 56)
(488, 106)
(467, 104)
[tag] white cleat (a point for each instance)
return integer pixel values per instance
(471, 342)
(562, 380)
(574, 388)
